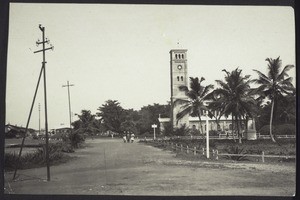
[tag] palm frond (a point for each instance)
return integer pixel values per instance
(183, 88)
(206, 90)
(186, 111)
(262, 76)
(284, 72)
(181, 101)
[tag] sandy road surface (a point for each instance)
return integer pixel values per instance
(109, 166)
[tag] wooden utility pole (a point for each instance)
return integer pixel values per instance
(45, 93)
(39, 119)
(68, 85)
(43, 69)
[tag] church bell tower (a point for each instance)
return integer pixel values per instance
(179, 76)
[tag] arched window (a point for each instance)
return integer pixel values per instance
(179, 56)
(230, 126)
(176, 56)
(181, 78)
(182, 56)
(177, 78)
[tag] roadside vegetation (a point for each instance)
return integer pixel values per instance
(57, 155)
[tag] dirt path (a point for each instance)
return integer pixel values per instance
(112, 167)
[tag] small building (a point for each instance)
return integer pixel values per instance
(14, 131)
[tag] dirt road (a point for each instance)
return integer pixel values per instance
(109, 166)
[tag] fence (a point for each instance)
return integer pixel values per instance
(215, 153)
(277, 136)
(225, 136)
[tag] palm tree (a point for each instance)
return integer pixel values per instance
(273, 85)
(193, 106)
(234, 98)
(87, 124)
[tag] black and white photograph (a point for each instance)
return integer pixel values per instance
(150, 100)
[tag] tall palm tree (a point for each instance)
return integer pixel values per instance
(273, 85)
(194, 105)
(234, 98)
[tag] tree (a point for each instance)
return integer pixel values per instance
(148, 115)
(216, 107)
(286, 109)
(128, 126)
(86, 124)
(112, 115)
(274, 85)
(234, 98)
(194, 105)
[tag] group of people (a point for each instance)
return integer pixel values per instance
(127, 138)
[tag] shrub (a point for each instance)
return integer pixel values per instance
(146, 134)
(35, 159)
(236, 150)
(168, 129)
(283, 129)
(215, 132)
(183, 130)
(76, 138)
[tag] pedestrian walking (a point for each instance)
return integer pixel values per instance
(128, 137)
(132, 138)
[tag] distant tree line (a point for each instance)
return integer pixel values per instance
(111, 116)
(269, 99)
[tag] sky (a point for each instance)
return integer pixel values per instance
(121, 52)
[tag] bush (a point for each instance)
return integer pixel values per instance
(168, 129)
(76, 138)
(36, 159)
(183, 130)
(236, 150)
(283, 129)
(215, 132)
(147, 134)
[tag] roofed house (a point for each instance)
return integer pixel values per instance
(14, 131)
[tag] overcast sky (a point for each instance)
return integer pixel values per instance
(121, 52)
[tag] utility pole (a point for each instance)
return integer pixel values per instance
(45, 93)
(32, 104)
(68, 85)
(39, 119)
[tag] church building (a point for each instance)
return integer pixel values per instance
(179, 76)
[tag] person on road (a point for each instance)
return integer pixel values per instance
(128, 137)
(132, 138)
(124, 138)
